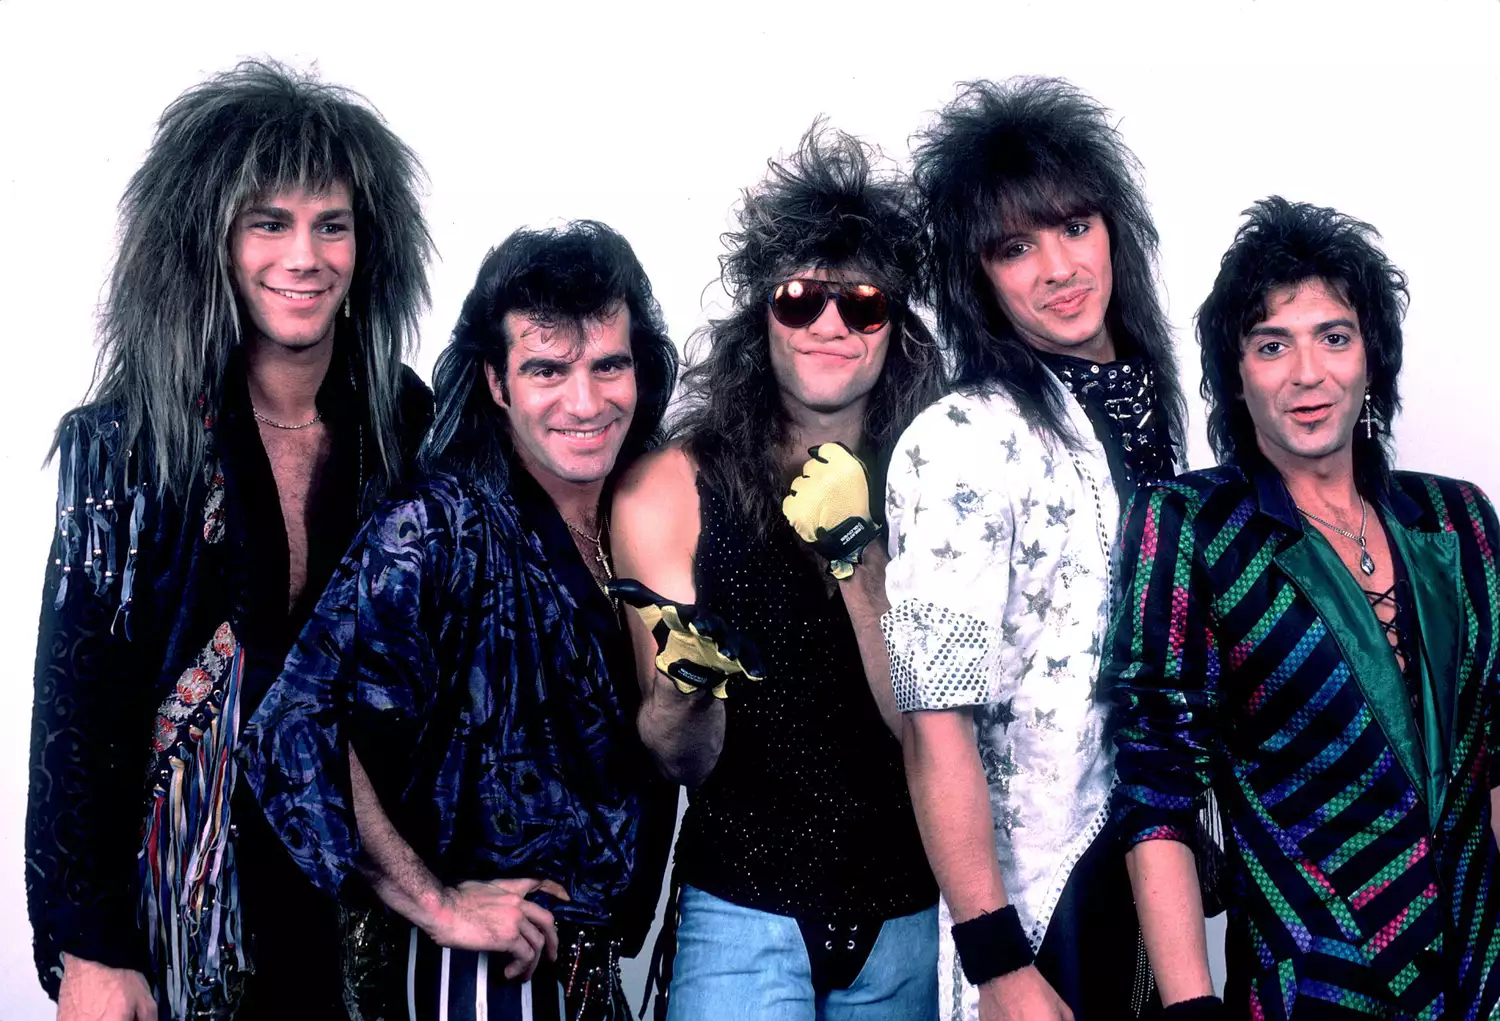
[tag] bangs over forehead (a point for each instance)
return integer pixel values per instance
(299, 150)
(851, 271)
(564, 334)
(1258, 307)
(841, 243)
(1024, 198)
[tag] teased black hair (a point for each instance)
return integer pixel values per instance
(1031, 152)
(555, 277)
(1286, 243)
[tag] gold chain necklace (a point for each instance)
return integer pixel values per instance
(598, 540)
(317, 417)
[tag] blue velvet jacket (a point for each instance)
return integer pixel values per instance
(467, 655)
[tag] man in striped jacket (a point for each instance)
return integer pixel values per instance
(1314, 636)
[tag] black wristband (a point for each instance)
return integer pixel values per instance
(992, 945)
(1200, 1008)
(846, 540)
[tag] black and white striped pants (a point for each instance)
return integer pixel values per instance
(443, 984)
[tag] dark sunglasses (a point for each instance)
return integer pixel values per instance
(798, 303)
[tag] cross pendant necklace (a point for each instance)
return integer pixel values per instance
(601, 557)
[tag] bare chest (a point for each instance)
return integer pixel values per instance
(1379, 586)
(297, 459)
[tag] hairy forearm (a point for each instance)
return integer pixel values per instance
(685, 733)
(1170, 906)
(864, 598)
(952, 802)
(394, 871)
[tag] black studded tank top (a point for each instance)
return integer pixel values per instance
(806, 812)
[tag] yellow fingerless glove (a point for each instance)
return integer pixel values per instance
(829, 507)
(694, 647)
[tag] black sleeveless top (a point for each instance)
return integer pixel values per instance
(806, 812)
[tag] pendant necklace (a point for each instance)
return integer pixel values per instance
(598, 542)
(1366, 562)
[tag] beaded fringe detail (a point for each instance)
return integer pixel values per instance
(95, 486)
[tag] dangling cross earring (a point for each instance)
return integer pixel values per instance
(346, 316)
(1369, 421)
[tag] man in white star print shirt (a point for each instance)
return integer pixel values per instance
(1003, 501)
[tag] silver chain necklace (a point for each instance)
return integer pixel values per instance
(318, 417)
(1366, 562)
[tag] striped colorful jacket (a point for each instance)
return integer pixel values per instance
(1358, 832)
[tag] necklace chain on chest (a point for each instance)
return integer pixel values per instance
(317, 417)
(1366, 562)
(597, 541)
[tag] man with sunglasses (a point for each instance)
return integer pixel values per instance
(1003, 506)
(803, 889)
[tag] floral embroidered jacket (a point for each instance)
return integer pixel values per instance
(1358, 829)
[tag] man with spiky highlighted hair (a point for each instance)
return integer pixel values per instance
(802, 887)
(1003, 504)
(1313, 636)
(251, 397)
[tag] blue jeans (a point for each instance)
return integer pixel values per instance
(739, 964)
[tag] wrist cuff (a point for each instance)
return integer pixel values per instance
(1200, 1008)
(992, 945)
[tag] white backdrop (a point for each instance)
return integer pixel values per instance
(652, 119)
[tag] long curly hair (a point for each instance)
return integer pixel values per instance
(171, 320)
(826, 206)
(1035, 152)
(1286, 243)
(555, 277)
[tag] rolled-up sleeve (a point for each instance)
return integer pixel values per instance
(1162, 671)
(951, 530)
(362, 671)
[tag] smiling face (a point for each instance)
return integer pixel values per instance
(293, 260)
(1302, 371)
(1054, 285)
(825, 366)
(569, 398)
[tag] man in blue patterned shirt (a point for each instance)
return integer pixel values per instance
(454, 728)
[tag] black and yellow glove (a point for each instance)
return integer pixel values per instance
(693, 646)
(829, 506)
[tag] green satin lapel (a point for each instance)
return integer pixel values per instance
(1435, 574)
(1322, 577)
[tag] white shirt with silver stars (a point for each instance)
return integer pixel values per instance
(999, 585)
